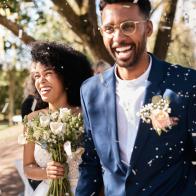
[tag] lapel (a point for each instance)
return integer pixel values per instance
(155, 79)
(109, 82)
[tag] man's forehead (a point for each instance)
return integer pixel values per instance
(119, 7)
(122, 4)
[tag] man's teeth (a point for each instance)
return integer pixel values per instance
(123, 49)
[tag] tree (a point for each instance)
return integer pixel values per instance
(163, 37)
(81, 17)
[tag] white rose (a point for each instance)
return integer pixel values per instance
(64, 112)
(44, 121)
(57, 127)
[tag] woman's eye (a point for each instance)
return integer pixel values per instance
(48, 73)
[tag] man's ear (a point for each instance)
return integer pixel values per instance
(149, 28)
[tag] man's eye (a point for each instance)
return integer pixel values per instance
(109, 29)
(128, 26)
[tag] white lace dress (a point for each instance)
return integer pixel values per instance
(42, 157)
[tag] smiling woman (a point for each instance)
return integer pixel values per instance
(58, 72)
(59, 65)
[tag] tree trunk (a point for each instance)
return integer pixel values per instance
(85, 26)
(163, 37)
(11, 90)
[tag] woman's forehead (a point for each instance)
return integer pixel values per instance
(37, 66)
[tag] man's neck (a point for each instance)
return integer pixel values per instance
(136, 70)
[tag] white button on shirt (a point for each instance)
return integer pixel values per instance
(129, 99)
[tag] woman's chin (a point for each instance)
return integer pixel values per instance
(45, 99)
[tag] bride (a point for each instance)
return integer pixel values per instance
(58, 72)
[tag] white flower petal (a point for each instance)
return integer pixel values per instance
(57, 127)
(44, 120)
(67, 148)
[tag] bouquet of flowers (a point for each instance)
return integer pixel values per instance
(59, 133)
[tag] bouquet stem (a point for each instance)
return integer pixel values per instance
(60, 187)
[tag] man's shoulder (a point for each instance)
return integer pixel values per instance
(97, 79)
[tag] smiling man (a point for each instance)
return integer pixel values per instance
(139, 115)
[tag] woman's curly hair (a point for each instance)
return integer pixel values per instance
(71, 66)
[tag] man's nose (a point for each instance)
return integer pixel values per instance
(118, 35)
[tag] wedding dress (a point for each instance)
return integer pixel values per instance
(42, 157)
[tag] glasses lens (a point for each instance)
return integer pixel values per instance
(128, 27)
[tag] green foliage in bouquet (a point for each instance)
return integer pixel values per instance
(54, 132)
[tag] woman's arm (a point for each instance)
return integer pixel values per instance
(54, 170)
(31, 169)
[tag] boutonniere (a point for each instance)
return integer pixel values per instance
(157, 113)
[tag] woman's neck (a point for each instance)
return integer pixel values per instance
(62, 103)
(74, 109)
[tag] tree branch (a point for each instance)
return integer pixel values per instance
(15, 29)
(85, 26)
(65, 10)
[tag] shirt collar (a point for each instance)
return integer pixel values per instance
(135, 82)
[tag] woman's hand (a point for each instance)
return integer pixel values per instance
(54, 170)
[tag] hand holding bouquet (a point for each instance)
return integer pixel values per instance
(59, 133)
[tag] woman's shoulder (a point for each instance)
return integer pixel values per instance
(35, 113)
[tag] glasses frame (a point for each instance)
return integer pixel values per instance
(111, 35)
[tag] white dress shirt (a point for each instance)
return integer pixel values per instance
(129, 99)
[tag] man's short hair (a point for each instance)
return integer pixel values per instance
(144, 5)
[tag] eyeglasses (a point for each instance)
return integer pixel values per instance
(128, 27)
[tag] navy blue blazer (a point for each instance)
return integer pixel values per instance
(160, 165)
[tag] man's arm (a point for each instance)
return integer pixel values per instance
(90, 181)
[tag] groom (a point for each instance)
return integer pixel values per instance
(124, 155)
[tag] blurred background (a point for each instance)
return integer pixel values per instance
(76, 23)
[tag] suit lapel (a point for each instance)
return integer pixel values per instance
(110, 88)
(154, 81)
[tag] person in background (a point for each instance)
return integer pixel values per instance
(140, 116)
(31, 102)
(101, 66)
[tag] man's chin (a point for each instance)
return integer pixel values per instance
(122, 63)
